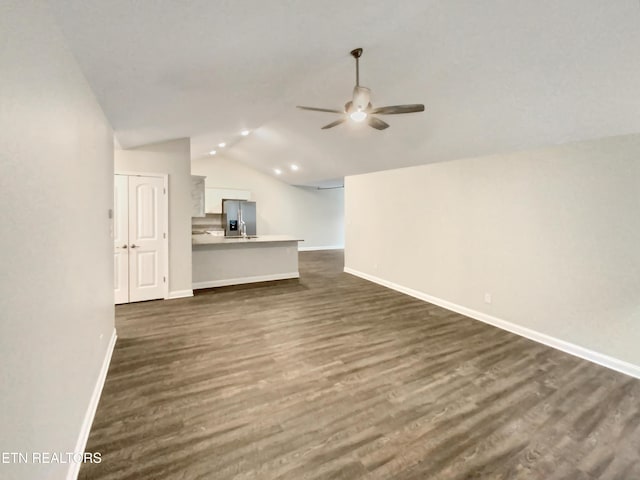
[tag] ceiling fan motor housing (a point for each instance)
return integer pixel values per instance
(361, 99)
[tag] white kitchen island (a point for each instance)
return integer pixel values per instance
(220, 261)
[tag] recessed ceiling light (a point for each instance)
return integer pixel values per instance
(212, 152)
(222, 144)
(295, 167)
(244, 133)
(277, 171)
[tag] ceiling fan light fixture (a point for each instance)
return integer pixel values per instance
(358, 116)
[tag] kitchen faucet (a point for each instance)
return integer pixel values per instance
(243, 225)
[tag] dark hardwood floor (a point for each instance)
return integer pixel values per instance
(333, 377)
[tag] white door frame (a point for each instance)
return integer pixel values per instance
(165, 181)
(120, 235)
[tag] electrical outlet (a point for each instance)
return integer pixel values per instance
(487, 298)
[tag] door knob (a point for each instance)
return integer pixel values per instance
(133, 245)
(124, 246)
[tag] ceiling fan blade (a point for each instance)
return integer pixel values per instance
(395, 109)
(377, 123)
(329, 110)
(333, 124)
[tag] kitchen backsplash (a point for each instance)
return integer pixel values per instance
(212, 222)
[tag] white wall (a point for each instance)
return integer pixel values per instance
(552, 234)
(316, 216)
(172, 158)
(56, 287)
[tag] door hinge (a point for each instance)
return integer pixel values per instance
(164, 279)
(164, 235)
(164, 190)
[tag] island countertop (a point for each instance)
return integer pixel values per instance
(206, 239)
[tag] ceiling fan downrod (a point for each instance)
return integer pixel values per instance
(357, 52)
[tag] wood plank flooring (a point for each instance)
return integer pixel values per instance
(333, 377)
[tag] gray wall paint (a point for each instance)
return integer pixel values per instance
(317, 216)
(56, 288)
(172, 158)
(553, 234)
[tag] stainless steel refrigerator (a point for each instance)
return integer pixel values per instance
(239, 218)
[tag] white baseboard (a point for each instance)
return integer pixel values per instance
(81, 444)
(180, 294)
(567, 347)
(329, 247)
(240, 281)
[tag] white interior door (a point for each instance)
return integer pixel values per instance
(147, 231)
(121, 239)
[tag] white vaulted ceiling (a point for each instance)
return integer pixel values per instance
(495, 76)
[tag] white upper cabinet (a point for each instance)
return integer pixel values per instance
(197, 196)
(214, 197)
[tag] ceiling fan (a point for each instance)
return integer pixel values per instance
(360, 109)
